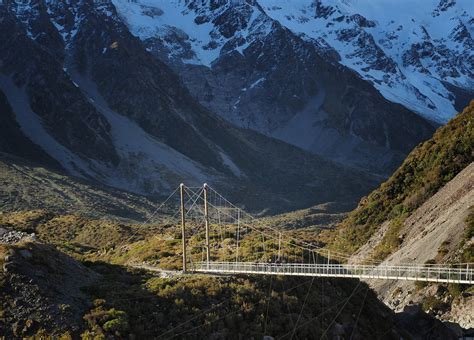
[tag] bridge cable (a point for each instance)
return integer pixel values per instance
(186, 203)
(360, 312)
(198, 196)
(279, 246)
(199, 326)
(195, 317)
(316, 317)
(302, 307)
(269, 297)
(237, 236)
(213, 307)
(292, 240)
(340, 311)
(308, 245)
(311, 246)
(152, 215)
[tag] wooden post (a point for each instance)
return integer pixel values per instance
(329, 260)
(206, 221)
(238, 236)
(183, 223)
(279, 246)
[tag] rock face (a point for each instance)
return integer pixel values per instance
(407, 51)
(12, 236)
(41, 288)
(14, 141)
(89, 94)
(248, 64)
(30, 65)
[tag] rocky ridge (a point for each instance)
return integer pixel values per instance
(130, 114)
(234, 57)
(41, 289)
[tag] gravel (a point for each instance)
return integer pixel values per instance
(8, 236)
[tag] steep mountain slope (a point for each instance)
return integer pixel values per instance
(422, 214)
(255, 72)
(14, 141)
(436, 232)
(427, 169)
(25, 185)
(96, 101)
(416, 53)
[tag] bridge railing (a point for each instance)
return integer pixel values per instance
(431, 273)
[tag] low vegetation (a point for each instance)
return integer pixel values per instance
(426, 169)
(390, 242)
(129, 302)
(226, 307)
(25, 185)
(467, 244)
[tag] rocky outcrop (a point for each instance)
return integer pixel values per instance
(129, 121)
(257, 73)
(41, 289)
(434, 232)
(31, 61)
(9, 236)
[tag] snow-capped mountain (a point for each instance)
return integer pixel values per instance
(253, 64)
(412, 51)
(76, 83)
(416, 53)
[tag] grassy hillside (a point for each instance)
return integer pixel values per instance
(114, 301)
(25, 185)
(426, 169)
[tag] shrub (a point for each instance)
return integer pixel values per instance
(103, 322)
(432, 303)
(454, 289)
(426, 169)
(419, 285)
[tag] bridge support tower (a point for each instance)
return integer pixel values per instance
(206, 221)
(183, 225)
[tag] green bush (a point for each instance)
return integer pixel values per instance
(116, 326)
(426, 169)
(467, 255)
(454, 289)
(390, 242)
(419, 285)
(104, 322)
(432, 303)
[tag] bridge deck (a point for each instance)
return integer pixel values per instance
(428, 273)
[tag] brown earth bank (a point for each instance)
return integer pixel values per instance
(436, 232)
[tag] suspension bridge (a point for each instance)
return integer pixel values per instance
(235, 242)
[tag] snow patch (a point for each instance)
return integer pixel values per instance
(256, 83)
(204, 38)
(398, 25)
(230, 164)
